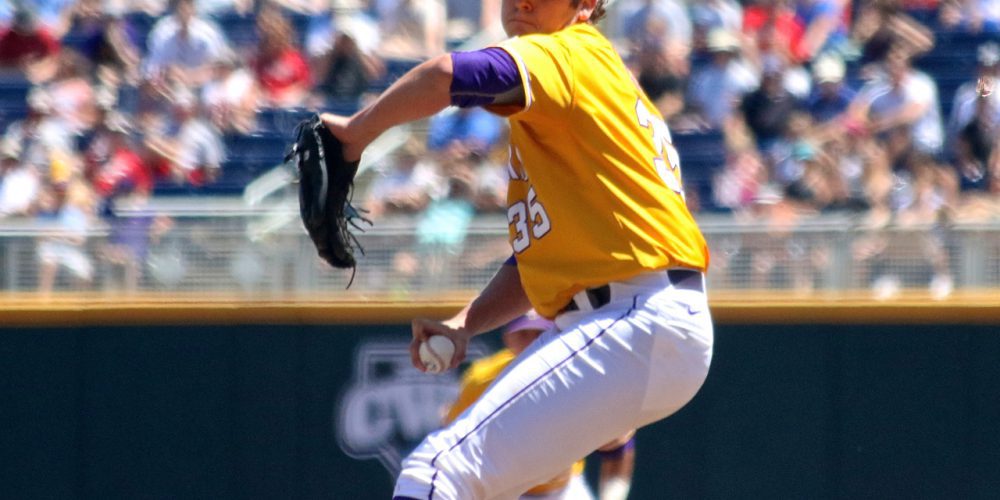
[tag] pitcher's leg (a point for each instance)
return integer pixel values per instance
(571, 393)
(556, 405)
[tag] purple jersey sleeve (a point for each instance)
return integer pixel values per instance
(478, 77)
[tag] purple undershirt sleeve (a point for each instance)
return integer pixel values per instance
(511, 261)
(481, 75)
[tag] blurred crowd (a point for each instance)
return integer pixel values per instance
(818, 106)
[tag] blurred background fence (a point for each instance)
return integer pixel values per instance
(221, 246)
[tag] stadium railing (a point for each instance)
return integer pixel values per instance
(220, 246)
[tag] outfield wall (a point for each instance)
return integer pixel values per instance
(306, 410)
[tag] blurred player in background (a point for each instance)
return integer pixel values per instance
(603, 244)
(617, 457)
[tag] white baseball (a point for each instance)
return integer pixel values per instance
(436, 353)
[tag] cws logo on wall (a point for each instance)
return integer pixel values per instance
(388, 406)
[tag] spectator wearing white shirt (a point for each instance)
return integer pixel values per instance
(967, 98)
(183, 47)
(903, 98)
(19, 183)
(231, 96)
(716, 89)
(191, 149)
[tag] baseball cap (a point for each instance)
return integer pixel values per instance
(828, 69)
(530, 321)
(722, 40)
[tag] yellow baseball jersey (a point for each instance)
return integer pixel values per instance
(595, 190)
(477, 378)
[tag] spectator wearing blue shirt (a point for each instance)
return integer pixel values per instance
(823, 21)
(831, 96)
(464, 131)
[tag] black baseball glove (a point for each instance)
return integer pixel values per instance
(325, 184)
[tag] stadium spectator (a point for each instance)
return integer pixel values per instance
(20, 182)
(443, 225)
(189, 149)
(348, 68)
(767, 110)
(490, 188)
(789, 153)
(831, 95)
(708, 15)
(975, 140)
(348, 16)
(715, 90)
(971, 16)
(970, 100)
(27, 47)
(932, 192)
(882, 25)
(975, 144)
(106, 40)
(411, 29)
(53, 15)
(662, 23)
(182, 48)
(405, 185)
(773, 27)
(737, 184)
(71, 92)
(463, 131)
(904, 98)
(281, 70)
(845, 147)
(113, 159)
(924, 196)
(662, 81)
(40, 134)
(132, 228)
(230, 98)
(825, 26)
(65, 246)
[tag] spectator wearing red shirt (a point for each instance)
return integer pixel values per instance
(775, 28)
(281, 70)
(116, 162)
(26, 46)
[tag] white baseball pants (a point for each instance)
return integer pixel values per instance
(601, 373)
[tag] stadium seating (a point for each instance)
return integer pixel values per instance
(702, 155)
(13, 99)
(951, 63)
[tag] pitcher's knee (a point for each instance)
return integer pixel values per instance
(420, 479)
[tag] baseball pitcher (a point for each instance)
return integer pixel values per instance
(602, 243)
